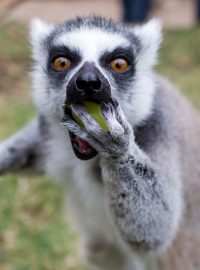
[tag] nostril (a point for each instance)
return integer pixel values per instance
(81, 85)
(96, 84)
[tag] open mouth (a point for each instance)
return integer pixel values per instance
(81, 148)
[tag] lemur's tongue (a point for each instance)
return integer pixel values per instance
(83, 146)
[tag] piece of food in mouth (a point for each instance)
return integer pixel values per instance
(94, 110)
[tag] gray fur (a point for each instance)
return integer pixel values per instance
(135, 205)
(24, 150)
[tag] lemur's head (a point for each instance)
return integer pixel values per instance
(94, 59)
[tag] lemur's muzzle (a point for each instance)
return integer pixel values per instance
(88, 84)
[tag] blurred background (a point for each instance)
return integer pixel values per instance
(33, 231)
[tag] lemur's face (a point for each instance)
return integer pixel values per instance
(94, 59)
(84, 68)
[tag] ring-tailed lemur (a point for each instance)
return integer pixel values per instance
(134, 194)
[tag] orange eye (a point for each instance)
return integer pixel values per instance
(119, 65)
(61, 63)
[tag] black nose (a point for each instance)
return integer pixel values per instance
(88, 84)
(88, 81)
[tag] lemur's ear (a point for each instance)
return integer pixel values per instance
(39, 30)
(150, 37)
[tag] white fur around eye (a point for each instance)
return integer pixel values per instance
(143, 87)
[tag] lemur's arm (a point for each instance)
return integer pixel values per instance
(144, 194)
(23, 150)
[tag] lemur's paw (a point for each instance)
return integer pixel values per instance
(114, 143)
(10, 158)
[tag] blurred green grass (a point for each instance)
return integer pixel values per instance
(180, 61)
(33, 231)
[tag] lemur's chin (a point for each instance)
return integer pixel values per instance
(81, 148)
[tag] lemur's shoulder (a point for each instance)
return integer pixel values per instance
(171, 118)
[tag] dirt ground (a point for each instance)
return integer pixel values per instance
(173, 13)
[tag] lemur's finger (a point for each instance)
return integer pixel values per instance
(121, 117)
(72, 126)
(115, 128)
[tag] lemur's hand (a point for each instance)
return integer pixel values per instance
(116, 142)
(8, 158)
(23, 150)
